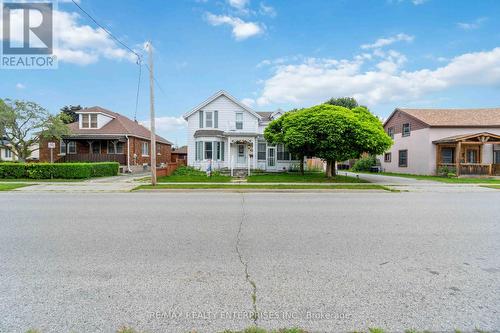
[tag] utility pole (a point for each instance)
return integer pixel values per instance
(152, 116)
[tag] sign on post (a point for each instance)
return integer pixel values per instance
(52, 146)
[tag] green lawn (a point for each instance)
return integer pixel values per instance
(8, 187)
(27, 180)
(496, 187)
(238, 187)
(190, 175)
(296, 177)
(461, 180)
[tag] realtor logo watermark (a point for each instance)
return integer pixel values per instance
(28, 40)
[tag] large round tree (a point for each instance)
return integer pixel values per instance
(333, 133)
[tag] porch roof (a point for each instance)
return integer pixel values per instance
(94, 137)
(483, 137)
(241, 134)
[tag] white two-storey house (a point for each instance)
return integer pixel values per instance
(229, 135)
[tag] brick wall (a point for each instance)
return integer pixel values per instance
(399, 118)
(164, 152)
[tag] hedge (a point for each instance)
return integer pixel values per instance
(57, 170)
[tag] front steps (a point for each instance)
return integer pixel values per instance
(237, 173)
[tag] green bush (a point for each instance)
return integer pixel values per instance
(12, 171)
(365, 163)
(58, 170)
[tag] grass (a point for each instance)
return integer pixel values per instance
(296, 177)
(185, 174)
(460, 180)
(27, 180)
(9, 187)
(239, 187)
(496, 187)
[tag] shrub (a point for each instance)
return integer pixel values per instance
(446, 171)
(365, 163)
(12, 171)
(57, 170)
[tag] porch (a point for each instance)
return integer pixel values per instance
(469, 155)
(109, 149)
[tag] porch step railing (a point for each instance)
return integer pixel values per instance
(120, 158)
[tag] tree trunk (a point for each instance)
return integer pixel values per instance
(302, 165)
(331, 171)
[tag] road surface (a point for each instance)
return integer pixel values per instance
(176, 262)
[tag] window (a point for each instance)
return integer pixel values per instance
(145, 149)
(447, 155)
(89, 120)
(71, 147)
(8, 153)
(282, 153)
(209, 119)
(406, 129)
(261, 151)
(208, 150)
(199, 150)
(390, 132)
(239, 120)
(96, 147)
(85, 121)
(216, 119)
(387, 157)
(472, 156)
(116, 147)
(403, 158)
(200, 118)
(496, 153)
(219, 151)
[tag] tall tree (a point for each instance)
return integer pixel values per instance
(346, 102)
(70, 111)
(332, 133)
(23, 125)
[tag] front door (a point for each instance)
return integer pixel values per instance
(271, 157)
(241, 157)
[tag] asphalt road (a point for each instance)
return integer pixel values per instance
(176, 262)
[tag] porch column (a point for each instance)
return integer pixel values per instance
(459, 154)
(255, 147)
(229, 155)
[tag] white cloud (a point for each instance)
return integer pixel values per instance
(418, 2)
(476, 24)
(238, 4)
(267, 10)
(76, 43)
(167, 124)
(250, 102)
(316, 80)
(20, 86)
(241, 29)
(381, 42)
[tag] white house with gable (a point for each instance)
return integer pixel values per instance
(229, 134)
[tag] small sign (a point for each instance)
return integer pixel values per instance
(52, 145)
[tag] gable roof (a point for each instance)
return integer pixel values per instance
(482, 117)
(119, 125)
(487, 137)
(214, 97)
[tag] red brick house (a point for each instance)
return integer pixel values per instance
(101, 135)
(179, 154)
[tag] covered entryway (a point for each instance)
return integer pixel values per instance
(473, 154)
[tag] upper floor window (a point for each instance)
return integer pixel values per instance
(89, 120)
(406, 129)
(209, 119)
(239, 120)
(390, 132)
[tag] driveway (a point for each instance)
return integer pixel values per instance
(176, 262)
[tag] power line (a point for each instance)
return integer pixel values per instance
(139, 58)
(138, 89)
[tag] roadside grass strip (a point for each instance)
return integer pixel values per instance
(449, 180)
(495, 187)
(239, 187)
(295, 177)
(11, 186)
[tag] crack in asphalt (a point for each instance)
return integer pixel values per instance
(255, 316)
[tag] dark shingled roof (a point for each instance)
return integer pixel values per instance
(266, 116)
(120, 125)
(208, 132)
(456, 117)
(181, 150)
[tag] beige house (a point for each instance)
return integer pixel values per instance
(464, 141)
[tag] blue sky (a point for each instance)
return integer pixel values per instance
(271, 54)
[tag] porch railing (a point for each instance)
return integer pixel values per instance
(475, 169)
(120, 158)
(496, 169)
